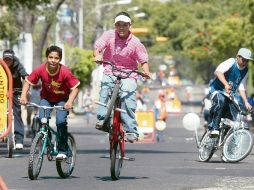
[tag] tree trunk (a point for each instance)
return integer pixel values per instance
(38, 46)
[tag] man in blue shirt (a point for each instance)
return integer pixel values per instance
(230, 75)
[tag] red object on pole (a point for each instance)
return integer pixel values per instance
(10, 97)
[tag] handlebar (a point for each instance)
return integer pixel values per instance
(121, 70)
(31, 104)
(236, 103)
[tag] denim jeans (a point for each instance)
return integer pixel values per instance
(128, 100)
(18, 122)
(61, 123)
(221, 108)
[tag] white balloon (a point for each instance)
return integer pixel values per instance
(191, 121)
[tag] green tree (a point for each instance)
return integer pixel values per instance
(81, 63)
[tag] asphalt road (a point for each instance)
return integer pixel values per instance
(169, 165)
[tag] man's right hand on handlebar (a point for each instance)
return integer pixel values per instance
(228, 88)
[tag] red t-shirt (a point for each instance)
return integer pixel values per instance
(54, 88)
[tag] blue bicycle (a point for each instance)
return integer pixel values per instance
(45, 142)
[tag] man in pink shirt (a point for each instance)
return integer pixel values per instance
(122, 48)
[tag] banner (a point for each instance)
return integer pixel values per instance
(3, 99)
(146, 123)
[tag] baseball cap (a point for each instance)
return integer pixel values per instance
(122, 18)
(8, 54)
(245, 53)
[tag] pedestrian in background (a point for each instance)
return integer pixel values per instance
(161, 115)
(18, 74)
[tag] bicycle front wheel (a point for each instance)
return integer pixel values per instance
(36, 157)
(116, 161)
(112, 103)
(10, 144)
(238, 145)
(206, 149)
(35, 126)
(66, 167)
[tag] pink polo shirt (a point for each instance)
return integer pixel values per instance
(127, 53)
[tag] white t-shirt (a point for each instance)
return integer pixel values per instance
(226, 65)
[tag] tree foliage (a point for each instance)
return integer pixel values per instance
(201, 34)
(81, 63)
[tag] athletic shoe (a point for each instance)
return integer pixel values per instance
(61, 156)
(214, 133)
(99, 126)
(131, 137)
(19, 146)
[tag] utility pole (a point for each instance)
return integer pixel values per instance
(80, 24)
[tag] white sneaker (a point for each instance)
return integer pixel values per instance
(215, 133)
(19, 146)
(131, 137)
(61, 156)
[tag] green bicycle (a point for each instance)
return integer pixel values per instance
(45, 143)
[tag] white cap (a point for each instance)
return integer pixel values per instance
(245, 53)
(122, 18)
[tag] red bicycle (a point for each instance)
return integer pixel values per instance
(117, 135)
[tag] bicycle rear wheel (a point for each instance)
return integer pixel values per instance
(66, 167)
(116, 161)
(238, 145)
(206, 149)
(36, 157)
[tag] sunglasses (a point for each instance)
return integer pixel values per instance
(243, 58)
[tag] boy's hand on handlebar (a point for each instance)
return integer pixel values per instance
(23, 100)
(68, 105)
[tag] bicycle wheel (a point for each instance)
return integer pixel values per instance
(111, 103)
(206, 149)
(66, 167)
(10, 144)
(238, 145)
(116, 161)
(36, 157)
(35, 126)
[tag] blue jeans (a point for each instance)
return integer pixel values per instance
(221, 108)
(18, 122)
(128, 100)
(61, 123)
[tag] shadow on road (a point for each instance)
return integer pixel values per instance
(136, 151)
(108, 178)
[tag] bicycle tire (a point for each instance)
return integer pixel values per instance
(35, 160)
(10, 144)
(111, 103)
(206, 148)
(116, 161)
(66, 167)
(35, 126)
(238, 145)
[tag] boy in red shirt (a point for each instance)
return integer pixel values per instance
(58, 88)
